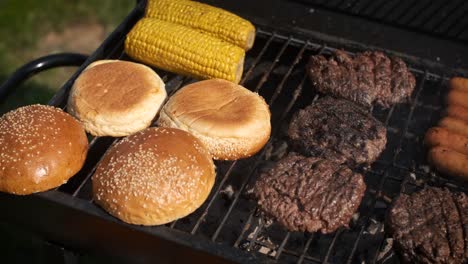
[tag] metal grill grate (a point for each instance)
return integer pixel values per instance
(275, 68)
(442, 18)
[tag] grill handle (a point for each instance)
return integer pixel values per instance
(37, 66)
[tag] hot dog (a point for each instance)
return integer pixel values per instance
(439, 136)
(457, 97)
(459, 83)
(457, 111)
(449, 161)
(455, 125)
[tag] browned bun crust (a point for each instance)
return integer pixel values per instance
(154, 177)
(231, 121)
(41, 147)
(116, 98)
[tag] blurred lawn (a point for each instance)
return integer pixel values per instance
(24, 25)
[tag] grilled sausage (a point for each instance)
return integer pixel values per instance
(459, 83)
(457, 111)
(457, 97)
(449, 161)
(439, 136)
(454, 125)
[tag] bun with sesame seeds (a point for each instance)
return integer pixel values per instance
(41, 147)
(231, 121)
(154, 177)
(116, 98)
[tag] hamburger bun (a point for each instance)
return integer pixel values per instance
(231, 121)
(154, 177)
(41, 147)
(116, 98)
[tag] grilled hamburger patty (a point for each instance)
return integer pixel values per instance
(338, 130)
(431, 226)
(309, 194)
(365, 78)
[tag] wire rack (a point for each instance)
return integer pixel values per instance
(275, 68)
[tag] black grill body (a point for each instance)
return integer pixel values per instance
(228, 227)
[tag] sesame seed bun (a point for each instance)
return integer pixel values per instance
(154, 177)
(231, 121)
(41, 147)
(116, 98)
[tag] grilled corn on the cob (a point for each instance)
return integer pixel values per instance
(184, 50)
(215, 21)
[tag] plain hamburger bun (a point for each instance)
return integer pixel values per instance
(116, 98)
(231, 121)
(154, 177)
(41, 147)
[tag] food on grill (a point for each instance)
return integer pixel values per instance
(214, 21)
(458, 112)
(231, 121)
(459, 83)
(366, 78)
(309, 194)
(184, 50)
(439, 136)
(154, 177)
(41, 147)
(449, 161)
(116, 98)
(455, 125)
(431, 226)
(457, 97)
(338, 130)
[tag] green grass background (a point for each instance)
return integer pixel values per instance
(22, 25)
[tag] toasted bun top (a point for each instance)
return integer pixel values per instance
(41, 147)
(219, 108)
(114, 86)
(154, 176)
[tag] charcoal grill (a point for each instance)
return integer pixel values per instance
(228, 227)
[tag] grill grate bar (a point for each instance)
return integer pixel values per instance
(296, 94)
(255, 235)
(306, 247)
(282, 245)
(236, 197)
(88, 176)
(221, 185)
(356, 243)
(378, 194)
(272, 66)
(245, 228)
(332, 245)
(277, 92)
(258, 58)
(330, 49)
(279, 89)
